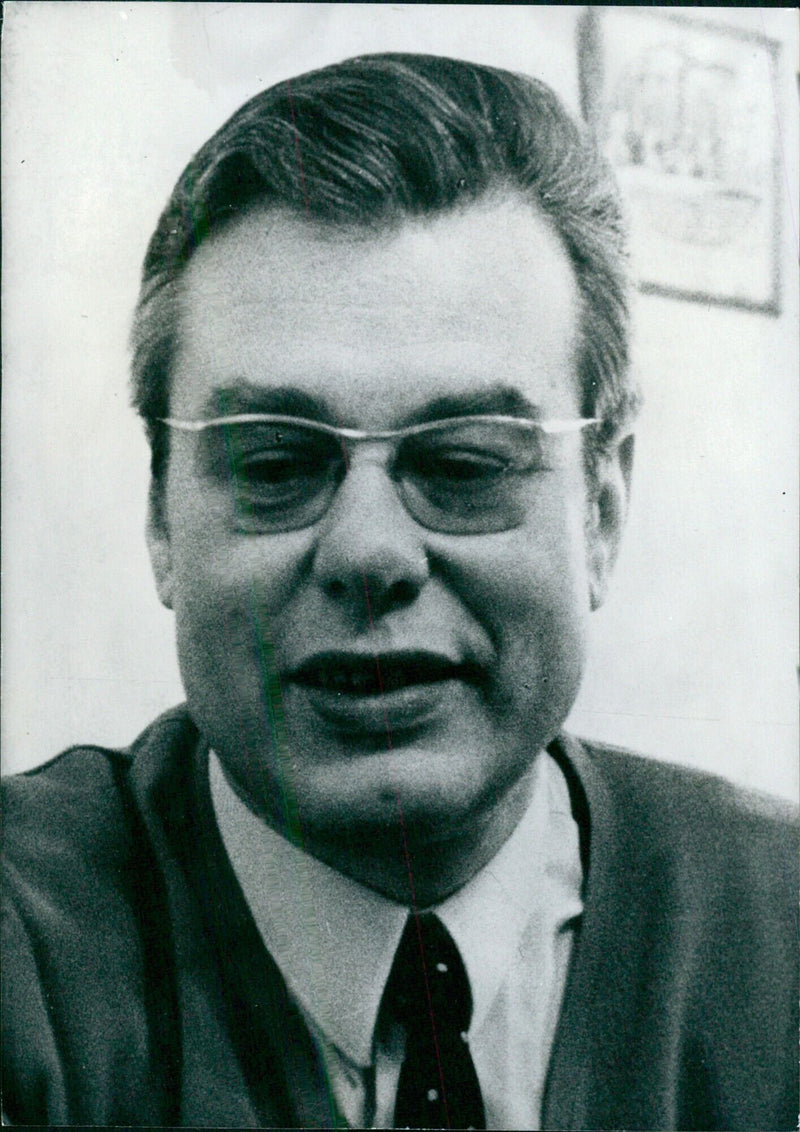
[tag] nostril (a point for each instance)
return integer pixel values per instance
(336, 589)
(371, 593)
(382, 599)
(402, 592)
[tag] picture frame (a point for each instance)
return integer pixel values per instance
(684, 110)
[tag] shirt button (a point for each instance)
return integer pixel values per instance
(433, 1094)
(442, 968)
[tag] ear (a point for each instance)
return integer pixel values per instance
(609, 494)
(158, 541)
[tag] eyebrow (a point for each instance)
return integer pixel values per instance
(500, 400)
(243, 396)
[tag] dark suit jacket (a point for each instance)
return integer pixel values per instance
(137, 990)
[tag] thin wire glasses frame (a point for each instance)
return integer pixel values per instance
(457, 475)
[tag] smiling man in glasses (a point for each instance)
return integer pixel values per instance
(362, 878)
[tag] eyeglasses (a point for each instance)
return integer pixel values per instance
(462, 475)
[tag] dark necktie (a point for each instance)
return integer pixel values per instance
(428, 993)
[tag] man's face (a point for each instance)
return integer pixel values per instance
(480, 637)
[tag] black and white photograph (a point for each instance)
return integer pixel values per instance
(400, 565)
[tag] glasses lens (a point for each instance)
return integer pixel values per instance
(472, 477)
(460, 477)
(283, 476)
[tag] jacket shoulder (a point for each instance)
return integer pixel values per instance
(653, 781)
(706, 825)
(66, 811)
(77, 807)
(85, 934)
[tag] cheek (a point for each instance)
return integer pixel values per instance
(229, 612)
(231, 594)
(219, 571)
(543, 637)
(535, 572)
(529, 590)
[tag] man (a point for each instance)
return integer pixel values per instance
(362, 878)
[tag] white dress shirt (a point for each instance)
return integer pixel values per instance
(334, 941)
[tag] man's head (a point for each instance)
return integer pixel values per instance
(387, 242)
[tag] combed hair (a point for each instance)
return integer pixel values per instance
(375, 140)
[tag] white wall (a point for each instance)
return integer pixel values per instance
(695, 656)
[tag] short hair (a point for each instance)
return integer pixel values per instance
(379, 139)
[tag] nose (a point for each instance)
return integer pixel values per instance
(370, 554)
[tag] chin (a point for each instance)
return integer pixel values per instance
(420, 794)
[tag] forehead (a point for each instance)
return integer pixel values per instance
(374, 326)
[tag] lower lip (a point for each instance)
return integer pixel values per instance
(401, 709)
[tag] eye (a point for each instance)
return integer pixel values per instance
(280, 465)
(274, 467)
(460, 464)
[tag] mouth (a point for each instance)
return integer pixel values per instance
(376, 698)
(347, 674)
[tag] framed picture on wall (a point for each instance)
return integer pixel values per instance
(685, 111)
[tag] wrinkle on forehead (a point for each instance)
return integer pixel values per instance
(294, 250)
(487, 293)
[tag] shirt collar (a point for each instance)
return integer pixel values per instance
(334, 940)
(535, 877)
